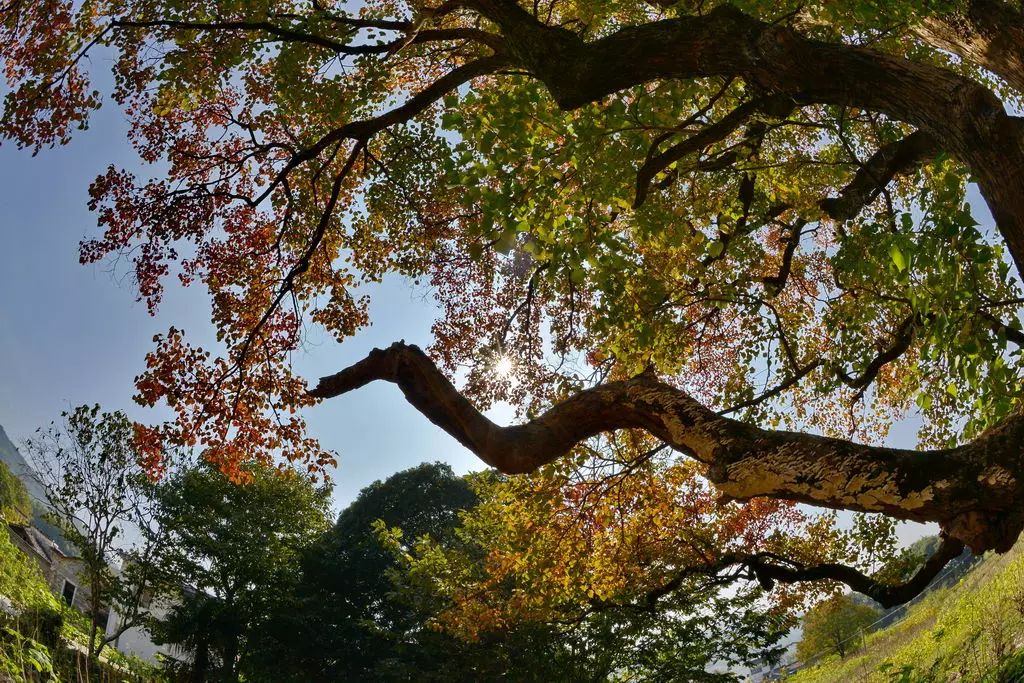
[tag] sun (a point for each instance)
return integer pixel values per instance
(503, 367)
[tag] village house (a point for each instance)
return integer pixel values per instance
(62, 570)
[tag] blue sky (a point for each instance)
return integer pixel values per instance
(73, 334)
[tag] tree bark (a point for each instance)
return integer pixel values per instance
(990, 34)
(972, 491)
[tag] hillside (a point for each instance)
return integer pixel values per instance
(12, 457)
(970, 631)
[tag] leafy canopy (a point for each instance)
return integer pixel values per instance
(780, 248)
(299, 151)
(233, 557)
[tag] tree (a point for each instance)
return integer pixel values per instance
(732, 226)
(359, 617)
(353, 623)
(97, 496)
(233, 552)
(368, 611)
(835, 625)
(15, 504)
(601, 591)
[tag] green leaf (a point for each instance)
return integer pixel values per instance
(898, 258)
(506, 242)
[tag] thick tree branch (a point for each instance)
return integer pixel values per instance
(897, 158)
(990, 34)
(1012, 334)
(970, 490)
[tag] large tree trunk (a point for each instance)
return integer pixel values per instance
(990, 34)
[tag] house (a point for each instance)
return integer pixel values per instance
(136, 641)
(61, 570)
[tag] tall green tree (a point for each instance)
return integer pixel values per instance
(360, 619)
(97, 495)
(361, 627)
(233, 552)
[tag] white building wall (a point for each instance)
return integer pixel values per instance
(136, 641)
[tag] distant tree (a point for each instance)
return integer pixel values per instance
(368, 613)
(15, 504)
(835, 625)
(97, 495)
(359, 625)
(234, 551)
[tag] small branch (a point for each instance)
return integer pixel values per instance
(902, 339)
(778, 106)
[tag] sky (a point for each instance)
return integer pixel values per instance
(73, 334)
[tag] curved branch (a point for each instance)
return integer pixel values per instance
(774, 284)
(896, 158)
(778, 106)
(902, 339)
(769, 569)
(887, 595)
(970, 490)
(364, 129)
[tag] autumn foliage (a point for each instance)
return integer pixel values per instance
(788, 241)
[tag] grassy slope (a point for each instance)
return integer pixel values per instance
(964, 632)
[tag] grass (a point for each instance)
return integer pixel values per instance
(968, 632)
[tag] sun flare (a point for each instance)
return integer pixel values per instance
(503, 367)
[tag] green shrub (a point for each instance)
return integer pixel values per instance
(24, 658)
(44, 624)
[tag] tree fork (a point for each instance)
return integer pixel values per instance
(972, 491)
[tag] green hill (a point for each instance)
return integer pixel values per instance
(10, 456)
(14, 460)
(970, 631)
